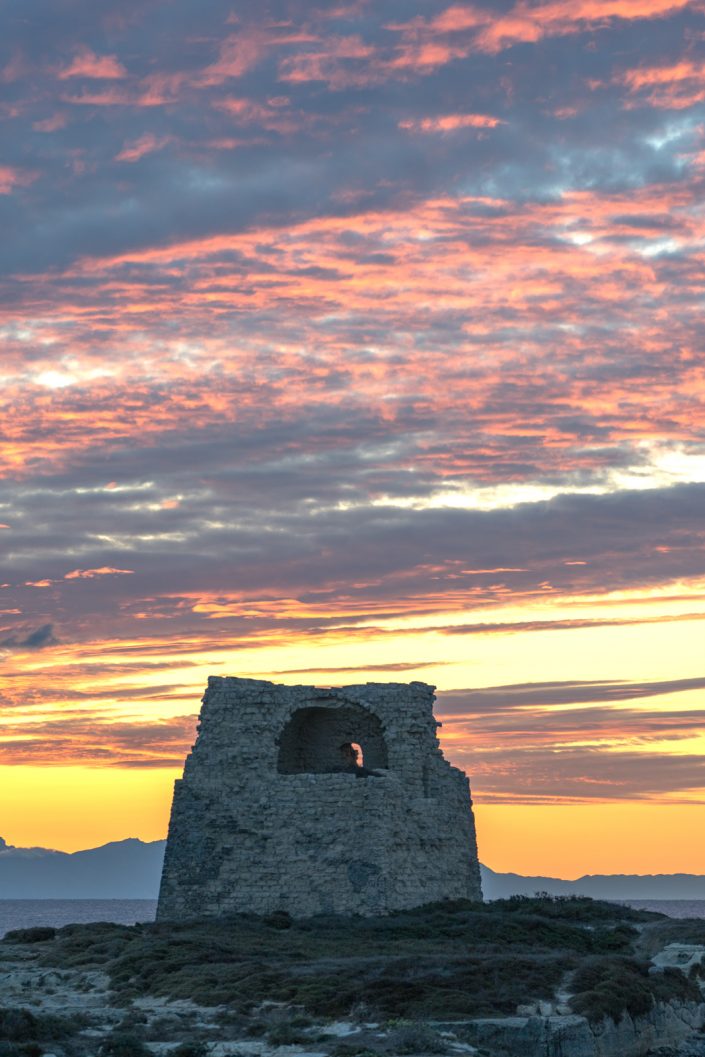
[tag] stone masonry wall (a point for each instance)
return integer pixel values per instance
(267, 817)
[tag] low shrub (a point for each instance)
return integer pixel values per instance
(190, 1049)
(673, 985)
(37, 934)
(22, 1025)
(415, 1038)
(351, 1049)
(286, 1034)
(124, 1044)
(611, 987)
(279, 919)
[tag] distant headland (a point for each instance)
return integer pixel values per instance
(130, 869)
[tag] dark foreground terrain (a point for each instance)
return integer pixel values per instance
(532, 977)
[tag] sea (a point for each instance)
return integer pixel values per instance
(673, 908)
(24, 913)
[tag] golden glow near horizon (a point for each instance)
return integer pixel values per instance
(551, 830)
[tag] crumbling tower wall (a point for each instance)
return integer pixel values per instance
(273, 814)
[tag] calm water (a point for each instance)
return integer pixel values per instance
(675, 908)
(22, 913)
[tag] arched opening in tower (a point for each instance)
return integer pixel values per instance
(346, 738)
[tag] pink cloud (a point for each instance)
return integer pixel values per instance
(528, 23)
(339, 61)
(451, 122)
(50, 124)
(272, 116)
(13, 69)
(670, 87)
(11, 177)
(135, 149)
(98, 67)
(90, 574)
(238, 54)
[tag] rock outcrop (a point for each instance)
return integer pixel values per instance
(664, 1029)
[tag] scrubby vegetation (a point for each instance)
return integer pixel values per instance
(38, 934)
(282, 981)
(671, 930)
(610, 987)
(124, 1044)
(449, 960)
(24, 1033)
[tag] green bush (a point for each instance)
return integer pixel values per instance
(279, 919)
(351, 1049)
(124, 1044)
(673, 985)
(22, 1025)
(286, 1034)
(611, 987)
(37, 934)
(190, 1049)
(415, 1038)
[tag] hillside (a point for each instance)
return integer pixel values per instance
(522, 977)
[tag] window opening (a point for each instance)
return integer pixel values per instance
(343, 739)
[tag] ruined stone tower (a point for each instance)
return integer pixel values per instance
(317, 801)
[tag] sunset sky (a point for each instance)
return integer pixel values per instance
(348, 343)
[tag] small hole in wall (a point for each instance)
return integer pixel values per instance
(351, 754)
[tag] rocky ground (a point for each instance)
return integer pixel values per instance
(521, 978)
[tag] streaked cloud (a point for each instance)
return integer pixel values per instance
(543, 743)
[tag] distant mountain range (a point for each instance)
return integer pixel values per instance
(598, 886)
(125, 869)
(130, 869)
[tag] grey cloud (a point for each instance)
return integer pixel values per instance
(583, 775)
(38, 639)
(520, 695)
(275, 530)
(525, 743)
